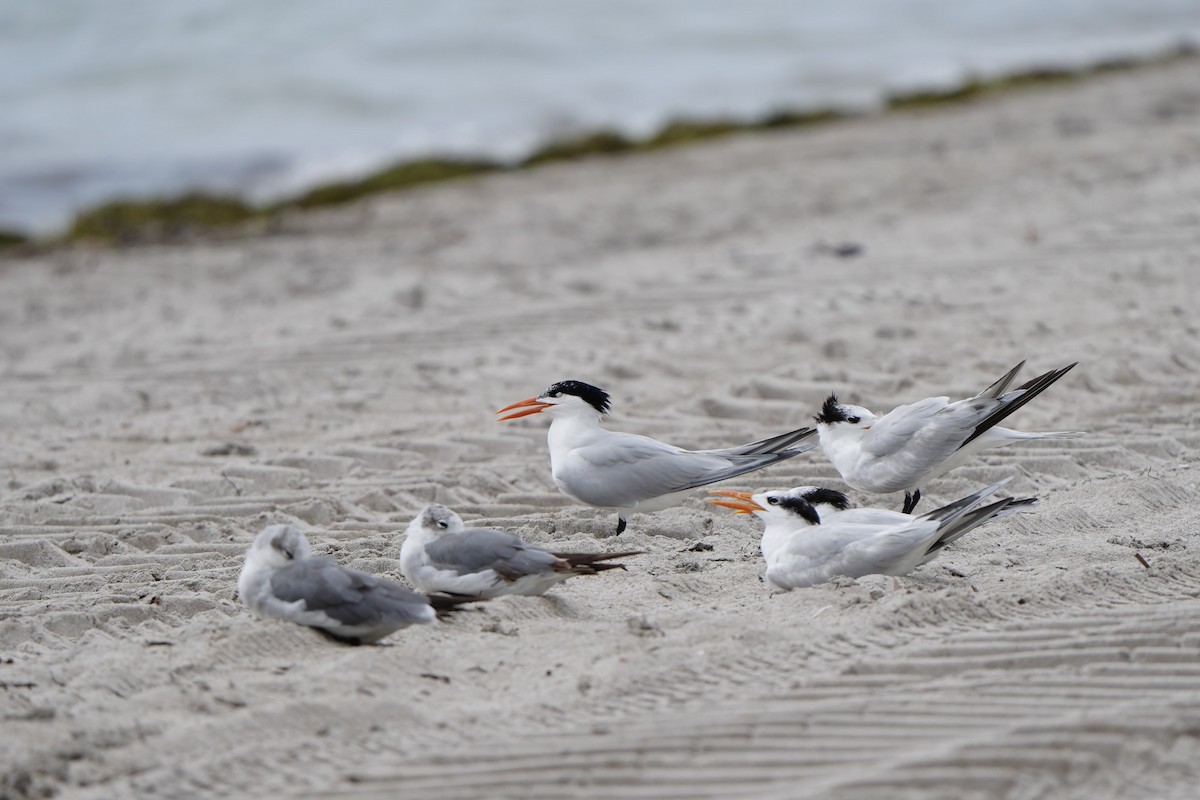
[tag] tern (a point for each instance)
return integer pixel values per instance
(440, 554)
(627, 472)
(912, 443)
(284, 580)
(806, 542)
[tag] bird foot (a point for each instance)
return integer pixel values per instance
(910, 501)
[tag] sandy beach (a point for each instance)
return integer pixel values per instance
(159, 405)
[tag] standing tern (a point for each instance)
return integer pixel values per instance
(627, 472)
(805, 544)
(284, 580)
(913, 443)
(440, 554)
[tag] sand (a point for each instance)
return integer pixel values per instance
(159, 405)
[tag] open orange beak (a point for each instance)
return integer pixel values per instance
(530, 406)
(742, 502)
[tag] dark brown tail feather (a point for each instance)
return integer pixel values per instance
(590, 563)
(446, 604)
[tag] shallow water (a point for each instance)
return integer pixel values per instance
(147, 98)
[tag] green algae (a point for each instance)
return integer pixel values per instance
(138, 221)
(403, 175)
(126, 222)
(603, 142)
(9, 239)
(975, 88)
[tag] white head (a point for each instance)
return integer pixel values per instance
(843, 419)
(781, 512)
(277, 545)
(779, 507)
(825, 501)
(563, 399)
(436, 520)
(274, 548)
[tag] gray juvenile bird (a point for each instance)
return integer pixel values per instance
(440, 554)
(284, 580)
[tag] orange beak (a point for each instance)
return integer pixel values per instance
(530, 406)
(742, 503)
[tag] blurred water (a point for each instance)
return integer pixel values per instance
(152, 97)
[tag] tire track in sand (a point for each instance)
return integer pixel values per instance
(1036, 708)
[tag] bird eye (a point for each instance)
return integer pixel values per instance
(443, 524)
(853, 420)
(773, 501)
(555, 393)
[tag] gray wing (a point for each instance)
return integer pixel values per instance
(351, 597)
(478, 549)
(887, 552)
(926, 433)
(851, 549)
(625, 469)
(921, 435)
(868, 516)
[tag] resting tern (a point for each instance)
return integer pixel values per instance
(809, 542)
(440, 554)
(913, 443)
(627, 472)
(282, 579)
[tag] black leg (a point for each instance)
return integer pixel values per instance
(620, 525)
(910, 501)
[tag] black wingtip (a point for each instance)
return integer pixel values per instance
(1043, 381)
(1000, 386)
(1024, 502)
(1031, 389)
(772, 444)
(785, 441)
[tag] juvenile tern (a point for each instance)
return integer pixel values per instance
(627, 472)
(440, 554)
(282, 579)
(913, 443)
(806, 544)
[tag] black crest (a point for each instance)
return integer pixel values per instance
(594, 396)
(831, 496)
(798, 505)
(831, 412)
